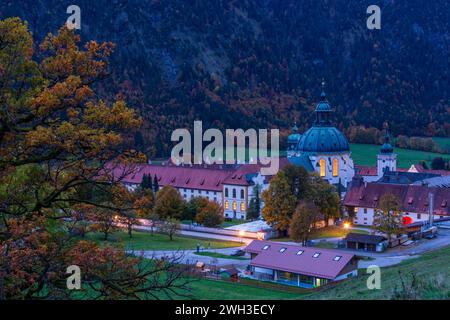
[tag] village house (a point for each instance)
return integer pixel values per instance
(306, 267)
(362, 200)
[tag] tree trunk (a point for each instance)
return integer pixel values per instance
(130, 229)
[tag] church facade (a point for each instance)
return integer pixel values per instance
(323, 148)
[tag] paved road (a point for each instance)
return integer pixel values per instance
(383, 259)
(204, 235)
(189, 256)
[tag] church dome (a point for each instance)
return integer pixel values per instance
(323, 139)
(294, 137)
(323, 136)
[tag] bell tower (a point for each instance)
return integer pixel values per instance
(386, 159)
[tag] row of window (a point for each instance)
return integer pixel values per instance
(300, 252)
(234, 193)
(323, 167)
(234, 206)
(199, 191)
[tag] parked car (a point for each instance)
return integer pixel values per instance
(430, 236)
(238, 253)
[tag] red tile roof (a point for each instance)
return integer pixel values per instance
(179, 176)
(324, 266)
(202, 177)
(413, 198)
(238, 177)
(366, 171)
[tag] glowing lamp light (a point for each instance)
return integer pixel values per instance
(346, 225)
(241, 233)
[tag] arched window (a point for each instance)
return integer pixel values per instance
(234, 206)
(234, 193)
(226, 192)
(322, 164)
(242, 206)
(227, 205)
(242, 194)
(335, 167)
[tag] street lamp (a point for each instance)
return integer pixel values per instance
(241, 234)
(346, 225)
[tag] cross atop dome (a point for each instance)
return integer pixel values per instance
(323, 96)
(323, 109)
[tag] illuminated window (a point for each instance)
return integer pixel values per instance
(226, 205)
(242, 206)
(234, 205)
(335, 167)
(322, 164)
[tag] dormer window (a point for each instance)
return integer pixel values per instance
(266, 247)
(337, 258)
(282, 250)
(316, 255)
(300, 252)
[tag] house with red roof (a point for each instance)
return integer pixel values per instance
(363, 199)
(232, 186)
(306, 267)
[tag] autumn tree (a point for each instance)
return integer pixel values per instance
(170, 227)
(299, 181)
(388, 217)
(302, 222)
(56, 138)
(169, 203)
(144, 205)
(325, 197)
(279, 202)
(210, 215)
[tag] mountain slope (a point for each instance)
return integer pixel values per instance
(260, 63)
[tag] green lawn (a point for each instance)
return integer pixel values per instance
(365, 155)
(327, 232)
(145, 241)
(218, 255)
(233, 222)
(432, 270)
(221, 290)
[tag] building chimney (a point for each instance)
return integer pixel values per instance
(431, 207)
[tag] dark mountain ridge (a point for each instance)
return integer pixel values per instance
(260, 63)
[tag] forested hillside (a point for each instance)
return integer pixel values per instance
(260, 63)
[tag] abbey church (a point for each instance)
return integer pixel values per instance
(322, 149)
